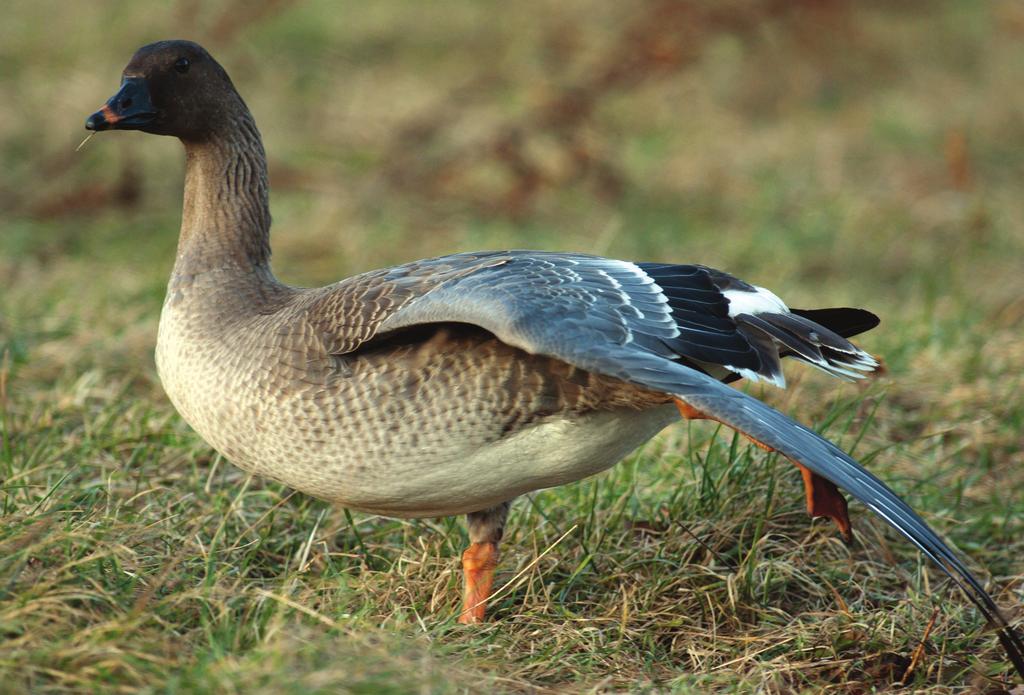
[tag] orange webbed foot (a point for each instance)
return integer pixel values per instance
(478, 563)
(824, 499)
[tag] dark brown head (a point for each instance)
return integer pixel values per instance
(171, 88)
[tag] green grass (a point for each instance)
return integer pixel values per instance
(133, 558)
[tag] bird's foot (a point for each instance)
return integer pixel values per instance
(478, 563)
(824, 499)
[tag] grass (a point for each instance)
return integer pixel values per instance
(875, 167)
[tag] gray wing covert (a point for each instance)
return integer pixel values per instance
(353, 312)
(581, 309)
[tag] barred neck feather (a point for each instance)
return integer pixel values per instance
(226, 213)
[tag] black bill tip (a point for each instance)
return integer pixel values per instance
(104, 119)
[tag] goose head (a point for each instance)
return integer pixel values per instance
(171, 88)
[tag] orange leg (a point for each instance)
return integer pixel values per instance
(478, 563)
(823, 497)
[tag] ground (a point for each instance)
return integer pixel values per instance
(864, 155)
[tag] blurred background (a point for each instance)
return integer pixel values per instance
(857, 153)
(842, 153)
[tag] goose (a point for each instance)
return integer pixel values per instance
(453, 385)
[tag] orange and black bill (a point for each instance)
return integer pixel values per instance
(130, 109)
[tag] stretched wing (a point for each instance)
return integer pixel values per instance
(801, 445)
(615, 318)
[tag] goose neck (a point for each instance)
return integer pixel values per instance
(226, 213)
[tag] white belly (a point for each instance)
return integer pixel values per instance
(551, 453)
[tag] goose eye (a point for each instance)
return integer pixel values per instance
(181, 65)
